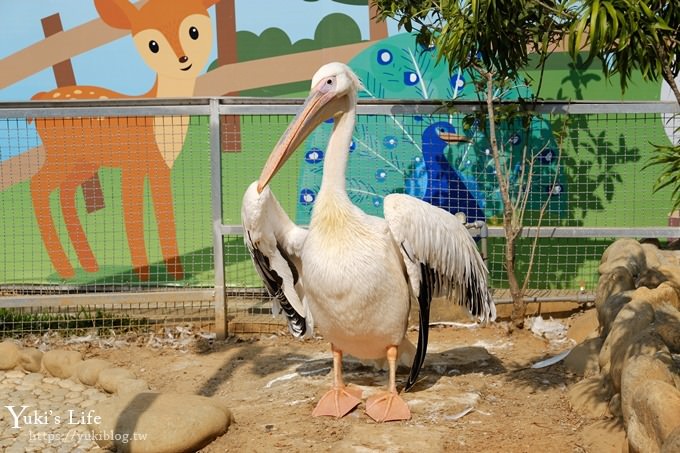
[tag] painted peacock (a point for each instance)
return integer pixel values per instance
(405, 153)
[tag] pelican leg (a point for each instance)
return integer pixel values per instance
(339, 400)
(388, 406)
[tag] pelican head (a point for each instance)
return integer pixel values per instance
(333, 93)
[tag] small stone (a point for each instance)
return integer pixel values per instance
(60, 363)
(9, 355)
(33, 378)
(87, 403)
(16, 376)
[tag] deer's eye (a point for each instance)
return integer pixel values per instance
(153, 46)
(193, 32)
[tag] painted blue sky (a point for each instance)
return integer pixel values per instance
(117, 65)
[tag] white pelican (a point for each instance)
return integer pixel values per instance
(359, 272)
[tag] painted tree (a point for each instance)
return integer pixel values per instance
(377, 29)
(495, 40)
(636, 35)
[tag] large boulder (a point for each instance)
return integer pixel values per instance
(633, 318)
(615, 281)
(624, 252)
(638, 370)
(159, 422)
(609, 310)
(654, 417)
(590, 397)
(583, 358)
(647, 342)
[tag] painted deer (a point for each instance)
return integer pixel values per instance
(175, 40)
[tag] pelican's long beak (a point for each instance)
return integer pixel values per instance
(453, 138)
(318, 107)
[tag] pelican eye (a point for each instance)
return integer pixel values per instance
(328, 85)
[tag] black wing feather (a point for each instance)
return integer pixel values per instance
(427, 285)
(274, 284)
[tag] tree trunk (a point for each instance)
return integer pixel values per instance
(511, 229)
(667, 73)
(519, 305)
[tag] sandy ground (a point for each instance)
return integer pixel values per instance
(477, 393)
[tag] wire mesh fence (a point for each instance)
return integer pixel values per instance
(130, 213)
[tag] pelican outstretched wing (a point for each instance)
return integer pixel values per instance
(441, 259)
(275, 242)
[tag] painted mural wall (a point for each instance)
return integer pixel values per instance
(100, 49)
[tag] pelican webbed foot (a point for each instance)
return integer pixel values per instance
(386, 407)
(338, 402)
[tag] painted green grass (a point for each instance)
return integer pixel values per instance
(26, 260)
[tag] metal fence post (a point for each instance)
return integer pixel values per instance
(221, 327)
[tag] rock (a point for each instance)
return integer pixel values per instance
(9, 355)
(88, 370)
(609, 310)
(30, 359)
(672, 442)
(109, 378)
(672, 273)
(126, 386)
(583, 359)
(633, 318)
(60, 363)
(664, 294)
(590, 396)
(617, 280)
(651, 278)
(169, 422)
(646, 342)
(624, 252)
(651, 252)
(655, 415)
(637, 371)
(667, 325)
(615, 406)
(583, 326)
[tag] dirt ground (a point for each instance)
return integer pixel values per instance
(477, 393)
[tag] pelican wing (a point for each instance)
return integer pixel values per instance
(441, 259)
(275, 242)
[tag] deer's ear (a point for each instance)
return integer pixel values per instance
(116, 13)
(209, 3)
